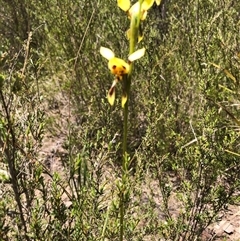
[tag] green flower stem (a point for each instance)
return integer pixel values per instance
(134, 27)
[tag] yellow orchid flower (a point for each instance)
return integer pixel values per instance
(119, 68)
(125, 5)
(135, 10)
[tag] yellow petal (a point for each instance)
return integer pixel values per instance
(158, 2)
(111, 95)
(124, 4)
(136, 55)
(144, 15)
(106, 53)
(124, 100)
(147, 4)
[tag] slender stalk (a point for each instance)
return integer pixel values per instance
(127, 81)
(126, 87)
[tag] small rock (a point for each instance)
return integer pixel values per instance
(68, 204)
(229, 229)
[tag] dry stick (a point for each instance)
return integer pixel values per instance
(26, 54)
(11, 165)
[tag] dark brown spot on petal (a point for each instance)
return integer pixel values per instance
(123, 66)
(110, 92)
(114, 67)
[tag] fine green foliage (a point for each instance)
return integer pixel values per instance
(183, 128)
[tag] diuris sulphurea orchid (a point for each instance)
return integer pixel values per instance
(119, 68)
